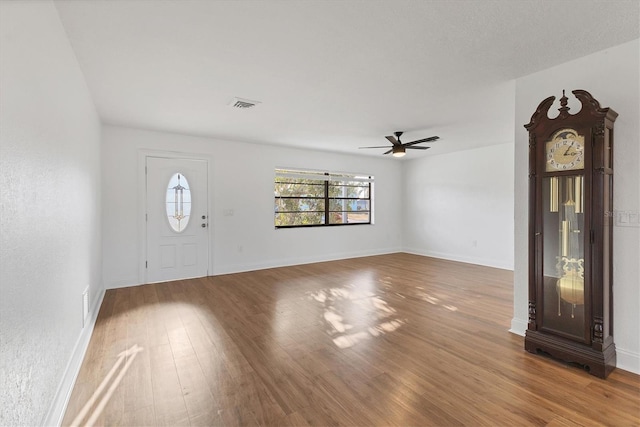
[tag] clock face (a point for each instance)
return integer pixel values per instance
(565, 151)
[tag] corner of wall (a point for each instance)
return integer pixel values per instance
(518, 326)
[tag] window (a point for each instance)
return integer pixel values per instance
(315, 198)
(178, 202)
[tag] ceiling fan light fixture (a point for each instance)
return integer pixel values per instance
(398, 151)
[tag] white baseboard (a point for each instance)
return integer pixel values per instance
(627, 360)
(495, 263)
(518, 326)
(63, 393)
(123, 283)
(287, 262)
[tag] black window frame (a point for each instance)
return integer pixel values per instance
(324, 179)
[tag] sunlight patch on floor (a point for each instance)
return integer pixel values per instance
(98, 399)
(353, 314)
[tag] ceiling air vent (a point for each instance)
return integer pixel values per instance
(243, 104)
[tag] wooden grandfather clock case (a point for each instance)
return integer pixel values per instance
(570, 234)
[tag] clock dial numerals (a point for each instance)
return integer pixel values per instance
(565, 151)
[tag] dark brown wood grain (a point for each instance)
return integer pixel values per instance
(594, 347)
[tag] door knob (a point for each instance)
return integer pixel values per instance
(203, 225)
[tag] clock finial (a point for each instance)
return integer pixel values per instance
(564, 110)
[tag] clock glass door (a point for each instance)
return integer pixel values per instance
(564, 253)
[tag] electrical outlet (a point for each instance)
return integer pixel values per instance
(626, 218)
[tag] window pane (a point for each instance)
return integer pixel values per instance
(290, 173)
(345, 217)
(349, 205)
(178, 202)
(299, 205)
(299, 218)
(296, 187)
(349, 211)
(345, 189)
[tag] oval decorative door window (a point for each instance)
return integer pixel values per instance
(178, 202)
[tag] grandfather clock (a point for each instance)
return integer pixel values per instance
(570, 234)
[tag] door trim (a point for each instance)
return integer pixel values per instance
(142, 203)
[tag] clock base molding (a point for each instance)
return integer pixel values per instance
(598, 363)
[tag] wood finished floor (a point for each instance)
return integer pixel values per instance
(387, 340)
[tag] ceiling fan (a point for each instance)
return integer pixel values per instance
(398, 148)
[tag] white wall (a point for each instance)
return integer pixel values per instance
(242, 180)
(459, 206)
(50, 212)
(612, 77)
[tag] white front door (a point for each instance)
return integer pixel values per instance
(177, 219)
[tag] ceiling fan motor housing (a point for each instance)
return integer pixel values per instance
(398, 148)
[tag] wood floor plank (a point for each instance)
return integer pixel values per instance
(294, 419)
(169, 404)
(390, 340)
(141, 417)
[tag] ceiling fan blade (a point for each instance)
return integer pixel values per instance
(416, 148)
(387, 152)
(380, 146)
(431, 138)
(392, 139)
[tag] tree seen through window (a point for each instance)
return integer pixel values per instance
(307, 198)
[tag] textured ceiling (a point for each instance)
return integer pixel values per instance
(331, 75)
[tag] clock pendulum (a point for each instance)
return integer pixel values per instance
(570, 266)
